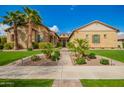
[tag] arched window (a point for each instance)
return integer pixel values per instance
(96, 39)
(39, 38)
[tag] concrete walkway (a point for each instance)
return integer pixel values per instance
(65, 60)
(67, 83)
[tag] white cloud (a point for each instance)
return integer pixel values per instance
(54, 28)
(2, 28)
(68, 32)
(121, 33)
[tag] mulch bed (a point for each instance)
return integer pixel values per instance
(42, 62)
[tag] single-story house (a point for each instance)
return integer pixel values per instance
(98, 34)
(121, 41)
(64, 39)
(39, 34)
(54, 38)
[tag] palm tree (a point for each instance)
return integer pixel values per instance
(14, 19)
(81, 46)
(73, 47)
(32, 17)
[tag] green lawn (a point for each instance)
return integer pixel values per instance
(114, 54)
(102, 83)
(26, 82)
(8, 57)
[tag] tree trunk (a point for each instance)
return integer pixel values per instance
(30, 35)
(15, 38)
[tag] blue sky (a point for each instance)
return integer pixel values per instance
(66, 18)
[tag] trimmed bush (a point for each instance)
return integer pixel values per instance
(35, 58)
(1, 46)
(55, 55)
(3, 40)
(104, 61)
(44, 45)
(59, 45)
(44, 51)
(35, 45)
(8, 46)
(29, 49)
(92, 56)
(123, 44)
(80, 61)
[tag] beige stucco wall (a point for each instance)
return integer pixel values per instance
(97, 29)
(45, 33)
(120, 44)
(23, 35)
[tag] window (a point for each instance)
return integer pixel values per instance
(105, 36)
(87, 36)
(39, 38)
(96, 39)
(12, 37)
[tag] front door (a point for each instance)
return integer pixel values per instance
(64, 43)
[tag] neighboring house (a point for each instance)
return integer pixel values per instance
(39, 34)
(64, 39)
(98, 34)
(54, 38)
(121, 41)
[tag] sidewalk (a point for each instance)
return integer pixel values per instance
(59, 72)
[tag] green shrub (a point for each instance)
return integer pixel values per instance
(35, 58)
(44, 45)
(44, 51)
(55, 55)
(1, 46)
(104, 61)
(35, 45)
(3, 40)
(70, 45)
(59, 44)
(123, 44)
(29, 49)
(47, 52)
(80, 61)
(92, 56)
(8, 46)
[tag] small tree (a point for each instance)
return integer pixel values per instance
(72, 47)
(81, 46)
(48, 49)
